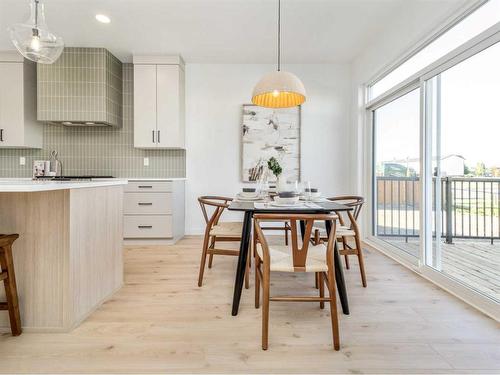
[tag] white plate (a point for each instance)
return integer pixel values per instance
(293, 200)
(276, 204)
(248, 194)
(313, 199)
(250, 199)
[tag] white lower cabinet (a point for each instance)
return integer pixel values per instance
(148, 204)
(148, 226)
(153, 211)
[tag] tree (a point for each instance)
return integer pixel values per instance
(480, 169)
(467, 170)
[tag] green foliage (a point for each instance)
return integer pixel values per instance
(480, 169)
(274, 166)
(467, 170)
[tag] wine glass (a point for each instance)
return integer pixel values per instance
(307, 190)
(263, 184)
(296, 187)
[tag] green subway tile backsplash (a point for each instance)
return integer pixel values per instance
(98, 151)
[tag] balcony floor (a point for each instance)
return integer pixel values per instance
(475, 263)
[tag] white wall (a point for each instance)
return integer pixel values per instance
(401, 35)
(333, 147)
(214, 95)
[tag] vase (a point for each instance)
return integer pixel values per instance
(281, 184)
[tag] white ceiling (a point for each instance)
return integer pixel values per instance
(219, 31)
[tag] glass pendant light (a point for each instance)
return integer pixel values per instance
(279, 89)
(34, 40)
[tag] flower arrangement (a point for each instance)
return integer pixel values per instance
(274, 166)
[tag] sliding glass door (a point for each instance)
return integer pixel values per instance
(463, 174)
(435, 160)
(396, 188)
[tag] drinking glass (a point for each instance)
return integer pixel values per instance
(307, 190)
(263, 185)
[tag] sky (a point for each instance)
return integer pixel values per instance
(470, 110)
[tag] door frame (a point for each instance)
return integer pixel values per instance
(420, 80)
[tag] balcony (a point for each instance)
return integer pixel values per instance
(466, 220)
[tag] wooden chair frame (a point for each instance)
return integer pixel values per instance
(219, 204)
(356, 202)
(8, 276)
(263, 272)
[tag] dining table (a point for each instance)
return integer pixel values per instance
(249, 209)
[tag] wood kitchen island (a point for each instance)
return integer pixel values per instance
(68, 258)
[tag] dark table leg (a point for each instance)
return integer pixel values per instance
(242, 260)
(302, 228)
(339, 275)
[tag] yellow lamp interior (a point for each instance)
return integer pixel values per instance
(280, 99)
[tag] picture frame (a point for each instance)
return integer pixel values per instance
(266, 133)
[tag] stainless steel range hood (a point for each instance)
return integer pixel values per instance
(82, 88)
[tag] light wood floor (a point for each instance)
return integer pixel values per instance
(162, 322)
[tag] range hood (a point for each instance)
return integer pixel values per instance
(82, 88)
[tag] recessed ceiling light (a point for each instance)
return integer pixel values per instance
(102, 18)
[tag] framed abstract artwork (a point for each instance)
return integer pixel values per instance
(267, 132)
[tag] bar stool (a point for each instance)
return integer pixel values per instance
(8, 277)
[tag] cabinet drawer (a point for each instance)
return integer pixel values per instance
(144, 226)
(148, 186)
(147, 203)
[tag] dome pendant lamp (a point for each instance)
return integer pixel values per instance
(34, 40)
(279, 89)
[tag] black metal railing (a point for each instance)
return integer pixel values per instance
(468, 207)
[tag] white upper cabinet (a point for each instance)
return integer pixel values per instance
(18, 125)
(145, 106)
(159, 102)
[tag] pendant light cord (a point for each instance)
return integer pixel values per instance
(36, 13)
(279, 35)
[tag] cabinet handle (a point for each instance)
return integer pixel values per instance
(145, 186)
(145, 204)
(158, 136)
(1, 135)
(144, 226)
(153, 136)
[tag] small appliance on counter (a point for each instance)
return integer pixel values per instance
(47, 168)
(55, 165)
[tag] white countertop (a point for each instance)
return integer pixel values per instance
(19, 185)
(157, 179)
